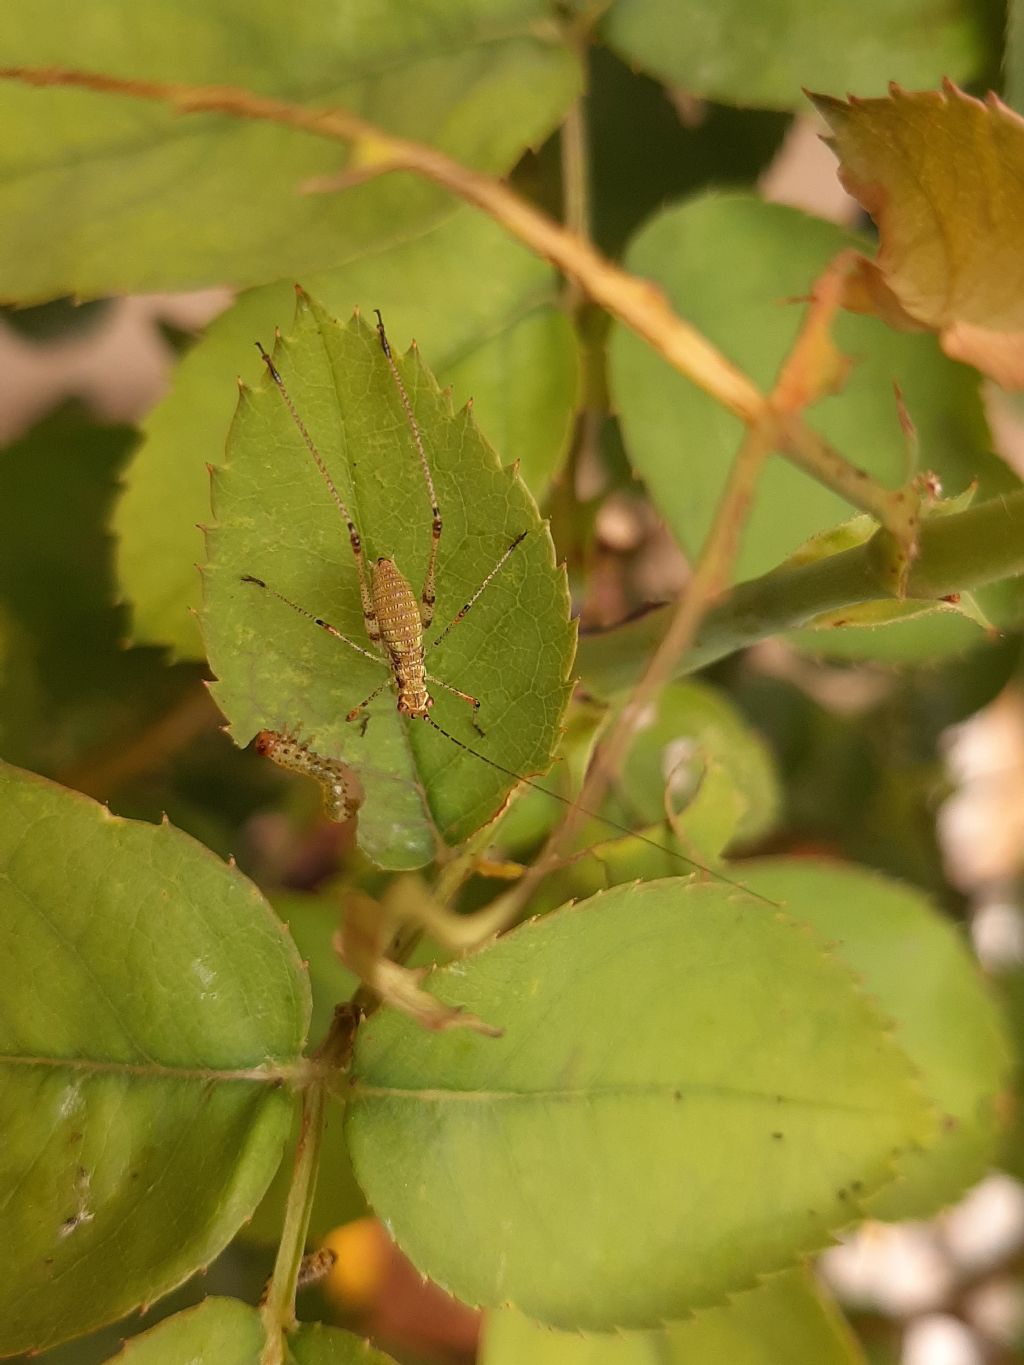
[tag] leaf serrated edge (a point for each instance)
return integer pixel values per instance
(186, 842)
(867, 1188)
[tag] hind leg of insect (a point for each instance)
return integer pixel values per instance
(459, 617)
(428, 596)
(467, 607)
(355, 540)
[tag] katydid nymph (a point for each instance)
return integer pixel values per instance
(397, 616)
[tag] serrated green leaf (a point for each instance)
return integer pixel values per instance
(152, 1003)
(765, 54)
(276, 520)
(785, 1321)
(921, 973)
(688, 1093)
(730, 262)
(941, 174)
(131, 196)
(315, 1344)
(229, 1332)
(215, 1332)
(482, 307)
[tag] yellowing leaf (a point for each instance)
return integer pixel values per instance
(941, 174)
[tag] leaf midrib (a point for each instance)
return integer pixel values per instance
(215, 124)
(675, 1092)
(269, 1072)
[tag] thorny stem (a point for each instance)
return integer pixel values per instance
(960, 552)
(638, 303)
(278, 1308)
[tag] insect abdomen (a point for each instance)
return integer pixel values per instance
(398, 612)
(401, 633)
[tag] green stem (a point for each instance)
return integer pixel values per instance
(958, 553)
(897, 509)
(278, 1307)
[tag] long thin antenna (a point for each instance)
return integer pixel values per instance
(613, 824)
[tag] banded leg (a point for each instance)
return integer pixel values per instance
(464, 610)
(317, 620)
(357, 711)
(355, 540)
(428, 597)
(464, 696)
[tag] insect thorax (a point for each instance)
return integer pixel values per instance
(401, 633)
